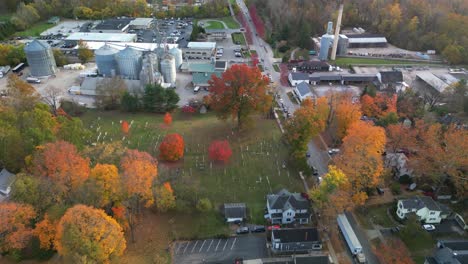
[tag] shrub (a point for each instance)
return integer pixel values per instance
(204, 205)
(220, 150)
(395, 188)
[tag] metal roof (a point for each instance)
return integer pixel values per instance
(141, 21)
(299, 76)
(303, 89)
(36, 45)
(201, 78)
(235, 210)
(128, 52)
(433, 81)
(105, 50)
(367, 40)
(201, 45)
(104, 37)
(6, 180)
(291, 235)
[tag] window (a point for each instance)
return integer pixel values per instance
(432, 213)
(432, 219)
(288, 219)
(400, 205)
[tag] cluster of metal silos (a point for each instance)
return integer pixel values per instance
(105, 60)
(40, 58)
(177, 53)
(129, 61)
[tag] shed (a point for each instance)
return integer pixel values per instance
(235, 212)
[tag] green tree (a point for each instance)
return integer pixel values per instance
(37, 126)
(159, 99)
(109, 93)
(165, 199)
(32, 190)
(453, 53)
(129, 102)
(84, 53)
(72, 130)
(60, 58)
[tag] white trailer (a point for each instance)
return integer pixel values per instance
(351, 238)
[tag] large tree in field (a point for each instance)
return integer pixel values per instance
(361, 157)
(139, 170)
(240, 92)
(307, 122)
(89, 235)
(15, 225)
(61, 163)
(172, 147)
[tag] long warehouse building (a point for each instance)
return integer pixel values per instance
(102, 37)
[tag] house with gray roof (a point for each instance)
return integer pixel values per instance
(425, 208)
(297, 77)
(295, 240)
(449, 252)
(285, 208)
(6, 180)
(302, 91)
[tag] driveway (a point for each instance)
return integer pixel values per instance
(249, 246)
(366, 246)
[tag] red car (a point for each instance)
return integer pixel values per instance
(274, 227)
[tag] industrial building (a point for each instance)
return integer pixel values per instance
(203, 72)
(326, 43)
(366, 40)
(141, 23)
(200, 50)
(438, 84)
(102, 37)
(309, 66)
(40, 58)
(342, 78)
(115, 25)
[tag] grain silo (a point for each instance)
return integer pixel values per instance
(149, 70)
(168, 69)
(129, 62)
(40, 58)
(325, 43)
(177, 53)
(105, 60)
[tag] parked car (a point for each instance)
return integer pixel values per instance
(412, 187)
(428, 227)
(314, 171)
(395, 229)
(242, 230)
(380, 190)
(196, 89)
(258, 229)
(274, 227)
(333, 151)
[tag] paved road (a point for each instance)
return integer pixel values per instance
(366, 247)
(249, 246)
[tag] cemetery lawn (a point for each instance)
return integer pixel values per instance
(254, 170)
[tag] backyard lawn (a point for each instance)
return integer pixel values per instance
(375, 214)
(34, 30)
(213, 24)
(238, 38)
(230, 22)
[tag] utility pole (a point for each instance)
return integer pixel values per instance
(337, 33)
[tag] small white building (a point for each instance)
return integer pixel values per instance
(302, 91)
(297, 77)
(425, 208)
(200, 50)
(6, 180)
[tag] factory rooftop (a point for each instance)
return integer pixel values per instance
(114, 24)
(141, 22)
(136, 45)
(104, 37)
(201, 45)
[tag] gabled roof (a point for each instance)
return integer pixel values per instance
(235, 210)
(454, 244)
(291, 235)
(391, 76)
(298, 76)
(419, 202)
(285, 200)
(303, 89)
(6, 180)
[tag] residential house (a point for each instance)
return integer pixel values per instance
(295, 240)
(285, 208)
(6, 180)
(450, 252)
(398, 163)
(426, 209)
(297, 77)
(302, 91)
(235, 212)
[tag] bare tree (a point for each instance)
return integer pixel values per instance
(109, 92)
(52, 96)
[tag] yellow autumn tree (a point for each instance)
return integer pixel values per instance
(106, 182)
(361, 158)
(89, 235)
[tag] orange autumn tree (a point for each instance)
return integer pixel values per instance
(393, 251)
(172, 147)
(86, 233)
(346, 113)
(361, 158)
(61, 163)
(139, 170)
(106, 182)
(15, 225)
(240, 92)
(167, 119)
(45, 231)
(307, 122)
(125, 127)
(379, 106)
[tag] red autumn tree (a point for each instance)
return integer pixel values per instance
(378, 106)
(172, 147)
(188, 109)
(15, 225)
(167, 119)
(61, 163)
(139, 170)
(240, 92)
(220, 150)
(393, 251)
(125, 127)
(257, 21)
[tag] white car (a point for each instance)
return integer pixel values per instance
(333, 151)
(428, 227)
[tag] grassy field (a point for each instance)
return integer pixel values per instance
(239, 37)
(376, 214)
(353, 61)
(230, 22)
(254, 169)
(34, 30)
(213, 24)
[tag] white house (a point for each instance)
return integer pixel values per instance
(285, 207)
(302, 91)
(6, 180)
(235, 212)
(426, 209)
(398, 162)
(297, 77)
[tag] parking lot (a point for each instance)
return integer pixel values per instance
(220, 250)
